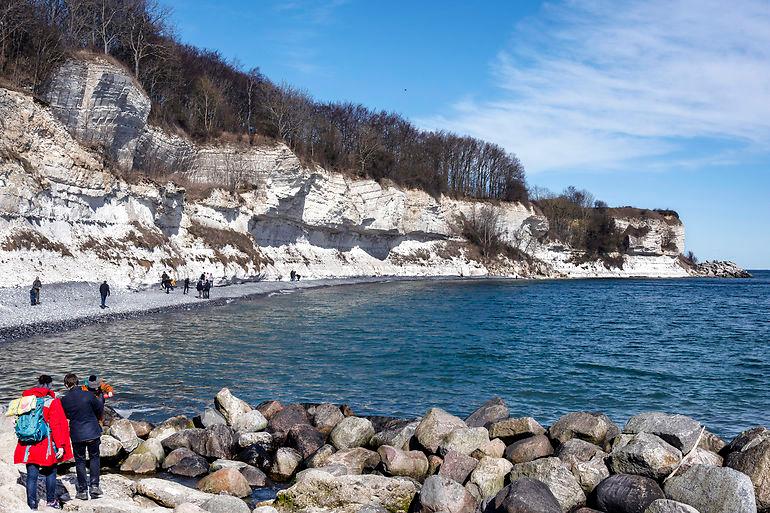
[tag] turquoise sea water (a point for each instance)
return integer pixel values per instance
(696, 346)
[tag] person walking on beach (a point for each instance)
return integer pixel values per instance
(293, 275)
(206, 289)
(36, 286)
(84, 409)
(42, 456)
(104, 291)
(186, 285)
(199, 287)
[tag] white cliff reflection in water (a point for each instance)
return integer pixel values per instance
(697, 347)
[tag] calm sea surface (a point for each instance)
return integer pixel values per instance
(698, 346)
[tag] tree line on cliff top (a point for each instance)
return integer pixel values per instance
(211, 99)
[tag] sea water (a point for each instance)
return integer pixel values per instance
(699, 347)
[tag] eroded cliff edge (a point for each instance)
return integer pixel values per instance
(69, 211)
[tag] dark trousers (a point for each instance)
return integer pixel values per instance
(79, 448)
(104, 299)
(186, 288)
(33, 473)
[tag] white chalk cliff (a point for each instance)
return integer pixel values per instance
(67, 215)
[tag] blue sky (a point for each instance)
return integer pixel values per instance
(657, 104)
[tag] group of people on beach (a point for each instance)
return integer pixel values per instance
(37, 285)
(53, 429)
(203, 286)
(294, 276)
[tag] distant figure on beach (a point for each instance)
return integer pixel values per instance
(206, 289)
(35, 296)
(166, 282)
(104, 291)
(199, 286)
(42, 455)
(293, 275)
(186, 286)
(84, 409)
(298, 276)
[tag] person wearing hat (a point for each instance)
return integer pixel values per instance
(84, 409)
(41, 458)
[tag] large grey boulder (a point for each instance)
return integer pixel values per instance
(269, 408)
(645, 455)
(230, 406)
(586, 462)
(123, 431)
(178, 455)
(228, 481)
(145, 459)
(169, 494)
(592, 427)
(170, 426)
(211, 417)
(321, 456)
(491, 411)
(321, 491)
(225, 504)
(494, 448)
(184, 462)
(142, 428)
(285, 464)
(413, 464)
(457, 466)
(249, 422)
(255, 477)
(355, 460)
(326, 417)
(434, 427)
(187, 438)
(713, 490)
(525, 495)
(305, 439)
(747, 439)
(284, 419)
(352, 432)
(464, 440)
(110, 447)
(625, 493)
(489, 476)
(510, 430)
(443, 495)
(263, 439)
(754, 461)
(700, 456)
(396, 434)
(678, 430)
(529, 449)
(555, 475)
(669, 506)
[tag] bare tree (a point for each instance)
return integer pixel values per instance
(286, 108)
(108, 18)
(145, 22)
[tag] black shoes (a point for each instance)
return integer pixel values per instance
(96, 492)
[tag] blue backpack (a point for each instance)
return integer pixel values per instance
(31, 427)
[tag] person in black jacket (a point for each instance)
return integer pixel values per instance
(84, 409)
(104, 291)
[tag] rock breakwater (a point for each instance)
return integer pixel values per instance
(324, 458)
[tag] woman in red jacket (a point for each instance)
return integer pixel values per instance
(42, 457)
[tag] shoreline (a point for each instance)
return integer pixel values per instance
(67, 306)
(18, 319)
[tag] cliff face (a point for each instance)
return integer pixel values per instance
(66, 214)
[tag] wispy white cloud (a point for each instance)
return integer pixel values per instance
(604, 84)
(307, 16)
